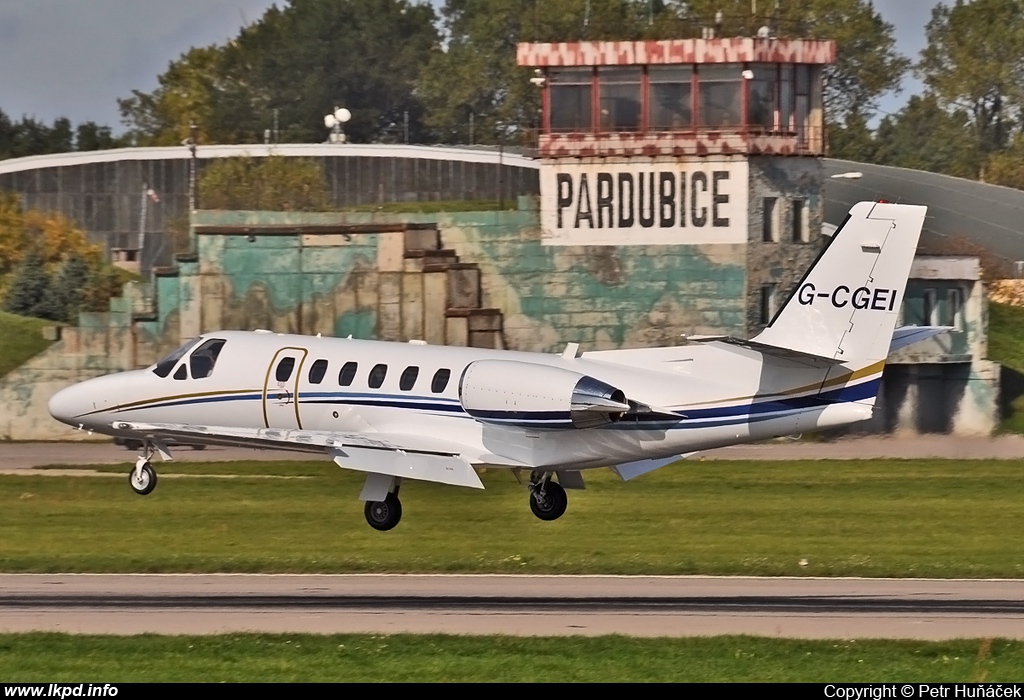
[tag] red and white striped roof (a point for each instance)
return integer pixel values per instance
(624, 53)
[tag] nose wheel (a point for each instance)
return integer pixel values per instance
(383, 515)
(547, 499)
(143, 478)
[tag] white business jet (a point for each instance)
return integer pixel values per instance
(400, 411)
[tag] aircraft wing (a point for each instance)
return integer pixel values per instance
(424, 458)
(908, 335)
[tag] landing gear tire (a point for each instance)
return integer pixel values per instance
(143, 481)
(383, 515)
(548, 501)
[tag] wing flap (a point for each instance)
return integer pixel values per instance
(427, 459)
(632, 470)
(444, 469)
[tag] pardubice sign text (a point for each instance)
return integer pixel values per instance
(675, 202)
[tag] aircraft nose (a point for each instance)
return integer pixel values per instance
(67, 404)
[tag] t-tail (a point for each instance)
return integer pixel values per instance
(845, 307)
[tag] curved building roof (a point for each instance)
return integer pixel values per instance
(989, 215)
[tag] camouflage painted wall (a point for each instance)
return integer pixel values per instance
(340, 281)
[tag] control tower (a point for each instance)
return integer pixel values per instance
(715, 143)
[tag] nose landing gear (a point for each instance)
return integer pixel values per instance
(143, 477)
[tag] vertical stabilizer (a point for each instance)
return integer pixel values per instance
(846, 305)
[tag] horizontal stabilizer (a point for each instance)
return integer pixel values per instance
(765, 349)
(908, 335)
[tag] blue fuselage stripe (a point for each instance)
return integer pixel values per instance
(688, 418)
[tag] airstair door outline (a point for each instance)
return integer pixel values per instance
(281, 389)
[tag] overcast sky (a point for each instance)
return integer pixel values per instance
(74, 58)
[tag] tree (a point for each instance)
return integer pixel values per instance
(974, 61)
(50, 235)
(90, 136)
(852, 140)
(28, 287)
(65, 295)
(1006, 167)
(477, 73)
(189, 91)
(273, 184)
(300, 62)
(31, 137)
(924, 136)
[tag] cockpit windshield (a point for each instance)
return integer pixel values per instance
(164, 366)
(204, 358)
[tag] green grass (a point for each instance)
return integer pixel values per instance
(406, 658)
(20, 339)
(938, 518)
(1006, 346)
(1006, 335)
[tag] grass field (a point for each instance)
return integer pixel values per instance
(937, 518)
(1006, 346)
(20, 339)
(398, 658)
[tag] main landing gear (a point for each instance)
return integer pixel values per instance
(143, 477)
(547, 498)
(383, 515)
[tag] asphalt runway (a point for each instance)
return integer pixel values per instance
(528, 605)
(16, 456)
(516, 605)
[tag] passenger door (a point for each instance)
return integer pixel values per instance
(281, 389)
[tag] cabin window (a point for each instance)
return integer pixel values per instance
(408, 379)
(440, 380)
(377, 375)
(202, 361)
(317, 371)
(182, 373)
(347, 374)
(164, 366)
(284, 369)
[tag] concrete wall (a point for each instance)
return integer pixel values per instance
(781, 263)
(475, 278)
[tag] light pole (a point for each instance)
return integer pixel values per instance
(334, 122)
(193, 131)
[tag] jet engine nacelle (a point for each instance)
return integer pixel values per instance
(527, 395)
